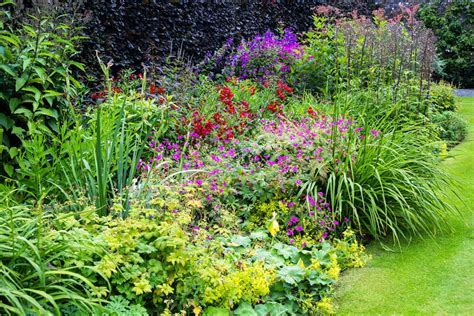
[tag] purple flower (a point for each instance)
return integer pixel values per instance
(292, 241)
(294, 219)
(346, 220)
(375, 133)
(298, 182)
(311, 200)
(198, 182)
(290, 232)
(299, 228)
(290, 204)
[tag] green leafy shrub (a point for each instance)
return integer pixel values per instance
(36, 61)
(442, 97)
(345, 53)
(452, 127)
(452, 24)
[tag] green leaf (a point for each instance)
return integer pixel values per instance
(41, 73)
(13, 152)
(245, 309)
(292, 274)
(21, 81)
(78, 65)
(272, 308)
(5, 121)
(260, 235)
(26, 63)
(13, 104)
(8, 70)
(8, 169)
(18, 131)
(215, 311)
(33, 90)
(240, 241)
(25, 112)
(47, 112)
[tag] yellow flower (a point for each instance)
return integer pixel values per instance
(325, 306)
(273, 227)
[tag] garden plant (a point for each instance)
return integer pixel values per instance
(241, 185)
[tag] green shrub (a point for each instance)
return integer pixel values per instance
(442, 97)
(452, 127)
(452, 24)
(36, 61)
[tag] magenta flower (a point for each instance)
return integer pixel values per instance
(311, 200)
(290, 232)
(299, 228)
(294, 220)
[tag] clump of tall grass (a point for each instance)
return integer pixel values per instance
(30, 283)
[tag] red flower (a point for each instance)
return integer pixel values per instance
(161, 90)
(132, 77)
(252, 90)
(152, 88)
(281, 95)
(161, 100)
(140, 76)
(272, 106)
(245, 105)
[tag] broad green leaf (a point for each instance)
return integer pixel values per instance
(13, 104)
(215, 311)
(41, 73)
(13, 152)
(25, 112)
(8, 169)
(11, 38)
(26, 63)
(47, 112)
(34, 90)
(292, 274)
(260, 235)
(8, 70)
(52, 93)
(272, 308)
(245, 309)
(21, 81)
(5, 121)
(18, 131)
(78, 65)
(240, 241)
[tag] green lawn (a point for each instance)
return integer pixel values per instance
(429, 277)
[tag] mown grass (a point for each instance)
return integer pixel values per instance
(429, 276)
